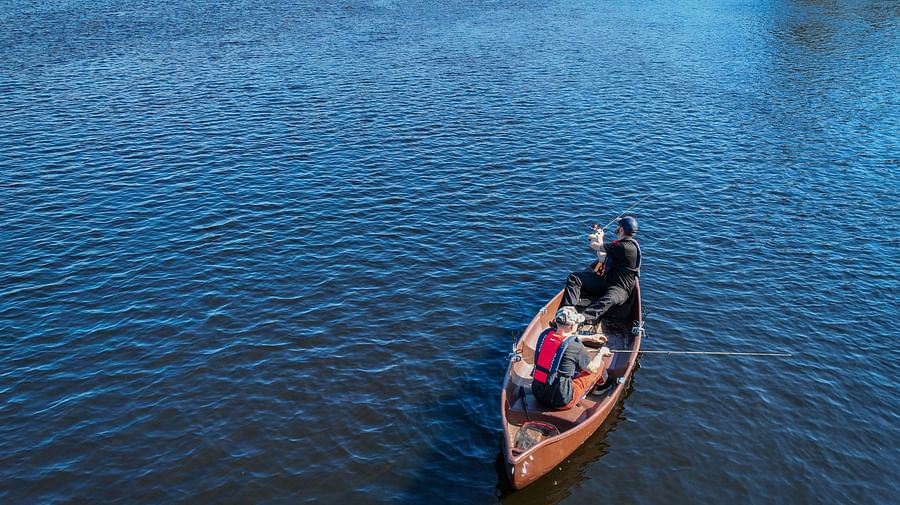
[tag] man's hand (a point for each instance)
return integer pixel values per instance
(596, 240)
(597, 362)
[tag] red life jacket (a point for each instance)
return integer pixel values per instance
(549, 352)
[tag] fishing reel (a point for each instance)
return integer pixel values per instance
(514, 357)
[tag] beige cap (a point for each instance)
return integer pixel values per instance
(568, 316)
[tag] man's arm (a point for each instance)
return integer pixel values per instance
(597, 244)
(597, 362)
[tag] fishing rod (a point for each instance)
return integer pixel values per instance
(709, 353)
(624, 212)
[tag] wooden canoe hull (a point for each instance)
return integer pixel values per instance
(577, 424)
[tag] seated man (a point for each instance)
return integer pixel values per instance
(563, 368)
(615, 281)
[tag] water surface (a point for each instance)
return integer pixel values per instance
(275, 252)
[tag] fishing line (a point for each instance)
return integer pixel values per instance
(709, 353)
(624, 212)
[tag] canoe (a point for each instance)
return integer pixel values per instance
(537, 439)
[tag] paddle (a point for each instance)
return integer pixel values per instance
(524, 402)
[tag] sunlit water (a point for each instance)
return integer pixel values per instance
(275, 252)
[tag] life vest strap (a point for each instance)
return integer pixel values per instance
(548, 355)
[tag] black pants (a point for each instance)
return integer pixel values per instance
(589, 285)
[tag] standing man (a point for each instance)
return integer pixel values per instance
(615, 281)
(563, 368)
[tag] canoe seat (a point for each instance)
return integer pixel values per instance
(562, 419)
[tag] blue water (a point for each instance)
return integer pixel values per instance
(276, 251)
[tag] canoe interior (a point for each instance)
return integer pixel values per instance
(576, 424)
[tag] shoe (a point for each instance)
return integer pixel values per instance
(601, 387)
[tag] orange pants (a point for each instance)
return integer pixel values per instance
(581, 382)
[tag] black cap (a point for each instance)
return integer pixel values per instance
(629, 224)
